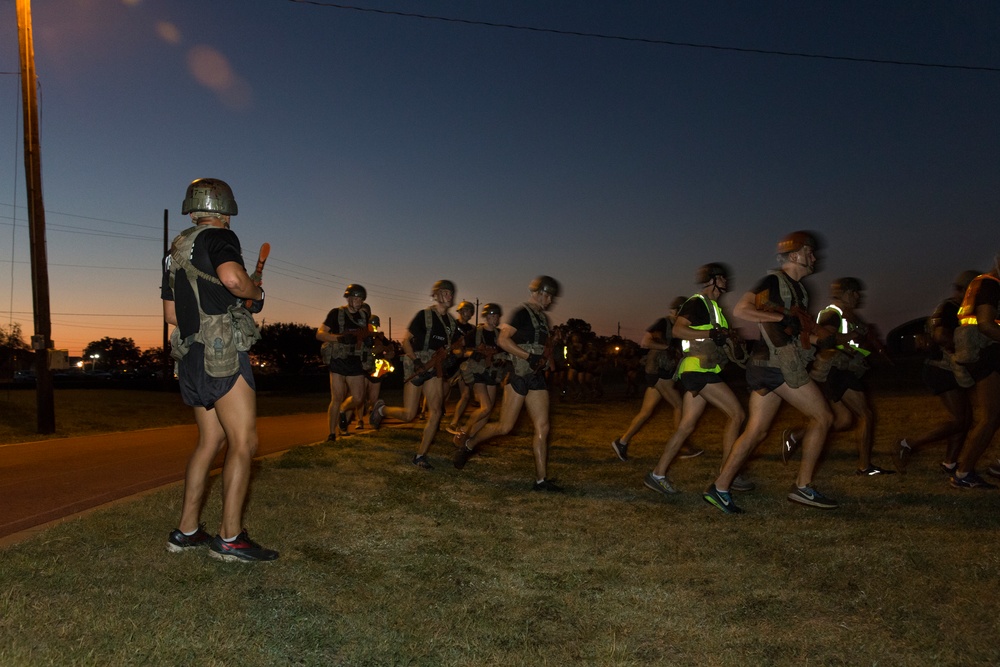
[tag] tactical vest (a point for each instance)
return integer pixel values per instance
(709, 357)
(791, 359)
(223, 336)
(969, 340)
(848, 358)
(331, 350)
(541, 327)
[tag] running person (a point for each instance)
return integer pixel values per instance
(484, 370)
(704, 333)
(342, 334)
(525, 337)
(947, 380)
(977, 345)
(661, 363)
(204, 291)
(465, 311)
(778, 372)
(431, 337)
(839, 367)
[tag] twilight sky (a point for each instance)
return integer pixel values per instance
(392, 151)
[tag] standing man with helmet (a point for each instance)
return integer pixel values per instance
(704, 334)
(839, 367)
(342, 334)
(525, 337)
(778, 371)
(428, 353)
(204, 292)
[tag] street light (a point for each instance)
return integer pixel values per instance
(93, 362)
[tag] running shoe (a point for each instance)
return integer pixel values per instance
(461, 438)
(420, 460)
(970, 481)
(872, 470)
(788, 445)
(462, 456)
(808, 495)
(721, 500)
(546, 485)
(343, 423)
(903, 455)
(994, 469)
(178, 542)
(660, 485)
(332, 437)
(376, 417)
(240, 550)
(689, 452)
(742, 484)
(621, 449)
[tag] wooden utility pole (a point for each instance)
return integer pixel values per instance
(41, 341)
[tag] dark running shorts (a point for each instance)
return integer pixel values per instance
(348, 366)
(838, 382)
(939, 380)
(694, 381)
(764, 378)
(989, 362)
(201, 391)
(651, 379)
(488, 379)
(522, 384)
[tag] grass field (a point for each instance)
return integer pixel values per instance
(386, 564)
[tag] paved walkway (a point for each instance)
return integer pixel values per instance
(47, 480)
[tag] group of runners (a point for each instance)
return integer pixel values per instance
(815, 364)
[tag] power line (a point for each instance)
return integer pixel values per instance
(645, 40)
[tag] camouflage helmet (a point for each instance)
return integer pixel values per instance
(710, 271)
(795, 241)
(355, 290)
(210, 195)
(465, 305)
(492, 309)
(375, 321)
(443, 285)
(546, 284)
(847, 284)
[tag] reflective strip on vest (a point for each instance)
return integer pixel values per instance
(715, 316)
(845, 328)
(967, 312)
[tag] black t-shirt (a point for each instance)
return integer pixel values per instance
(439, 330)
(783, 332)
(521, 321)
(352, 322)
(212, 248)
(695, 311)
(988, 293)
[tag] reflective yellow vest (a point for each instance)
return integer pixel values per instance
(845, 327)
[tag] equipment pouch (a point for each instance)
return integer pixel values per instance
(217, 335)
(968, 342)
(521, 366)
(245, 330)
(793, 363)
(178, 348)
